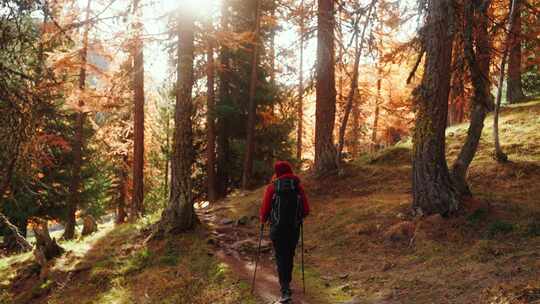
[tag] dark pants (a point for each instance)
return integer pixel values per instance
(284, 243)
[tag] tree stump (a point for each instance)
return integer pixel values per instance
(46, 247)
(89, 225)
(44, 243)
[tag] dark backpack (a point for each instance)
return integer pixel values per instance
(287, 208)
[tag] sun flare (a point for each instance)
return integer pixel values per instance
(199, 7)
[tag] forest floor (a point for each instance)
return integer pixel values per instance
(361, 244)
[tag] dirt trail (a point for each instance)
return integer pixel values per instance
(236, 245)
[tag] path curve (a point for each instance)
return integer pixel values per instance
(235, 245)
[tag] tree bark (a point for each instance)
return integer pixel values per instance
(376, 116)
(46, 247)
(514, 88)
(359, 44)
(432, 188)
(500, 156)
(252, 106)
(300, 106)
(456, 110)
(179, 214)
(210, 123)
(137, 195)
(77, 150)
(122, 191)
(167, 156)
(325, 109)
(223, 131)
(481, 102)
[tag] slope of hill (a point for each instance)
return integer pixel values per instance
(361, 244)
(361, 241)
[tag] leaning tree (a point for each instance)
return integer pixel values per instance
(433, 191)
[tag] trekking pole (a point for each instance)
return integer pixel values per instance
(257, 258)
(302, 242)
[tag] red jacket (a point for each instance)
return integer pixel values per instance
(283, 170)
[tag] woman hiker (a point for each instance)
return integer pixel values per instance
(285, 205)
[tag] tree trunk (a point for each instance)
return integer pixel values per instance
(500, 156)
(252, 106)
(137, 195)
(325, 109)
(46, 247)
(456, 110)
(376, 116)
(223, 132)
(210, 123)
(89, 225)
(355, 130)
(167, 157)
(514, 89)
(122, 191)
(481, 102)
(179, 214)
(432, 188)
(300, 107)
(78, 144)
(272, 50)
(359, 44)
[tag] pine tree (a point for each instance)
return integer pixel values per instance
(325, 112)
(78, 145)
(432, 187)
(137, 196)
(482, 103)
(179, 214)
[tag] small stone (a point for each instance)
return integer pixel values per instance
(353, 301)
(345, 288)
(344, 276)
(387, 266)
(242, 221)
(226, 221)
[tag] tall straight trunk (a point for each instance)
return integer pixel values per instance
(300, 107)
(325, 109)
(78, 143)
(223, 131)
(355, 129)
(431, 184)
(500, 156)
(514, 88)
(210, 124)
(341, 47)
(252, 106)
(167, 156)
(179, 214)
(137, 195)
(122, 191)
(376, 116)
(359, 44)
(272, 50)
(481, 102)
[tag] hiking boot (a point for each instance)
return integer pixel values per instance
(285, 296)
